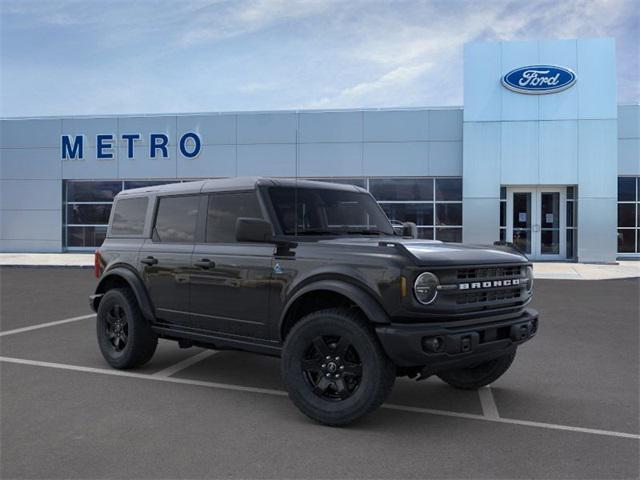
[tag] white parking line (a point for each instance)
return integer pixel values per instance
(489, 408)
(280, 393)
(45, 325)
(186, 363)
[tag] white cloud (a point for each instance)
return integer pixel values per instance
(353, 96)
(227, 20)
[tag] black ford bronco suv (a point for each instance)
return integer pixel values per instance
(311, 272)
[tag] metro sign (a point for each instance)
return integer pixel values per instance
(72, 146)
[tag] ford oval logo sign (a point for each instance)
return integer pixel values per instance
(539, 79)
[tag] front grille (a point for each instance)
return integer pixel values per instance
(490, 296)
(491, 272)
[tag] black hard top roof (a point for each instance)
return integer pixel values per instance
(234, 184)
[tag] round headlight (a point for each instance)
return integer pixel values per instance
(425, 288)
(529, 279)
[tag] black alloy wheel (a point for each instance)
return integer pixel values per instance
(125, 338)
(117, 327)
(332, 367)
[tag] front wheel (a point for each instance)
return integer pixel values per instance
(334, 368)
(478, 376)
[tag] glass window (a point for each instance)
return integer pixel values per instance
(503, 214)
(425, 233)
(403, 189)
(626, 189)
(626, 214)
(570, 237)
(449, 189)
(311, 211)
(92, 191)
(449, 234)
(571, 193)
(88, 214)
(223, 211)
(86, 236)
(449, 214)
(129, 216)
(418, 213)
(626, 240)
(176, 219)
(570, 214)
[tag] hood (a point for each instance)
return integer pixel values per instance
(435, 253)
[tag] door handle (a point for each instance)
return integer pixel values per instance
(204, 263)
(149, 261)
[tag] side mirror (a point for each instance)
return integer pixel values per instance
(409, 229)
(255, 230)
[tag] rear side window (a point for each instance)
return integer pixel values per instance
(176, 219)
(224, 209)
(129, 215)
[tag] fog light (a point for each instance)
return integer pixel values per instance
(433, 344)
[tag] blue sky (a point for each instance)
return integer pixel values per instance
(104, 57)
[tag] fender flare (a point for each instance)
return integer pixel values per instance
(136, 285)
(369, 305)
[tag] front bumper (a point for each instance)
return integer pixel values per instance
(446, 346)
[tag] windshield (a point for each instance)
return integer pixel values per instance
(317, 211)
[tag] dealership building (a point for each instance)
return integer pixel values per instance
(540, 154)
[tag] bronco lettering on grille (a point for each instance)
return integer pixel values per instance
(489, 284)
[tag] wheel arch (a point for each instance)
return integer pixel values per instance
(119, 277)
(333, 291)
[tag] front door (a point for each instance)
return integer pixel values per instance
(230, 287)
(536, 221)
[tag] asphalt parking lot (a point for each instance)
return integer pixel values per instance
(567, 408)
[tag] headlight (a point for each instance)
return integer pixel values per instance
(425, 288)
(529, 279)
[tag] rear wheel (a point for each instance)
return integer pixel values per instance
(124, 336)
(480, 375)
(334, 367)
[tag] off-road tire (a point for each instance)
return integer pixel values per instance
(141, 341)
(478, 376)
(376, 370)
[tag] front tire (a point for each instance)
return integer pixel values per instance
(479, 376)
(334, 367)
(124, 336)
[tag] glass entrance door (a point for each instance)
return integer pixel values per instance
(536, 221)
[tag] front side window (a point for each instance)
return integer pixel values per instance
(176, 219)
(223, 212)
(128, 216)
(314, 211)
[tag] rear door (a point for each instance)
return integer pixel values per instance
(230, 287)
(166, 257)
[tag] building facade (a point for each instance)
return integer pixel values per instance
(541, 155)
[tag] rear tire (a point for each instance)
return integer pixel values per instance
(124, 336)
(334, 367)
(479, 376)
